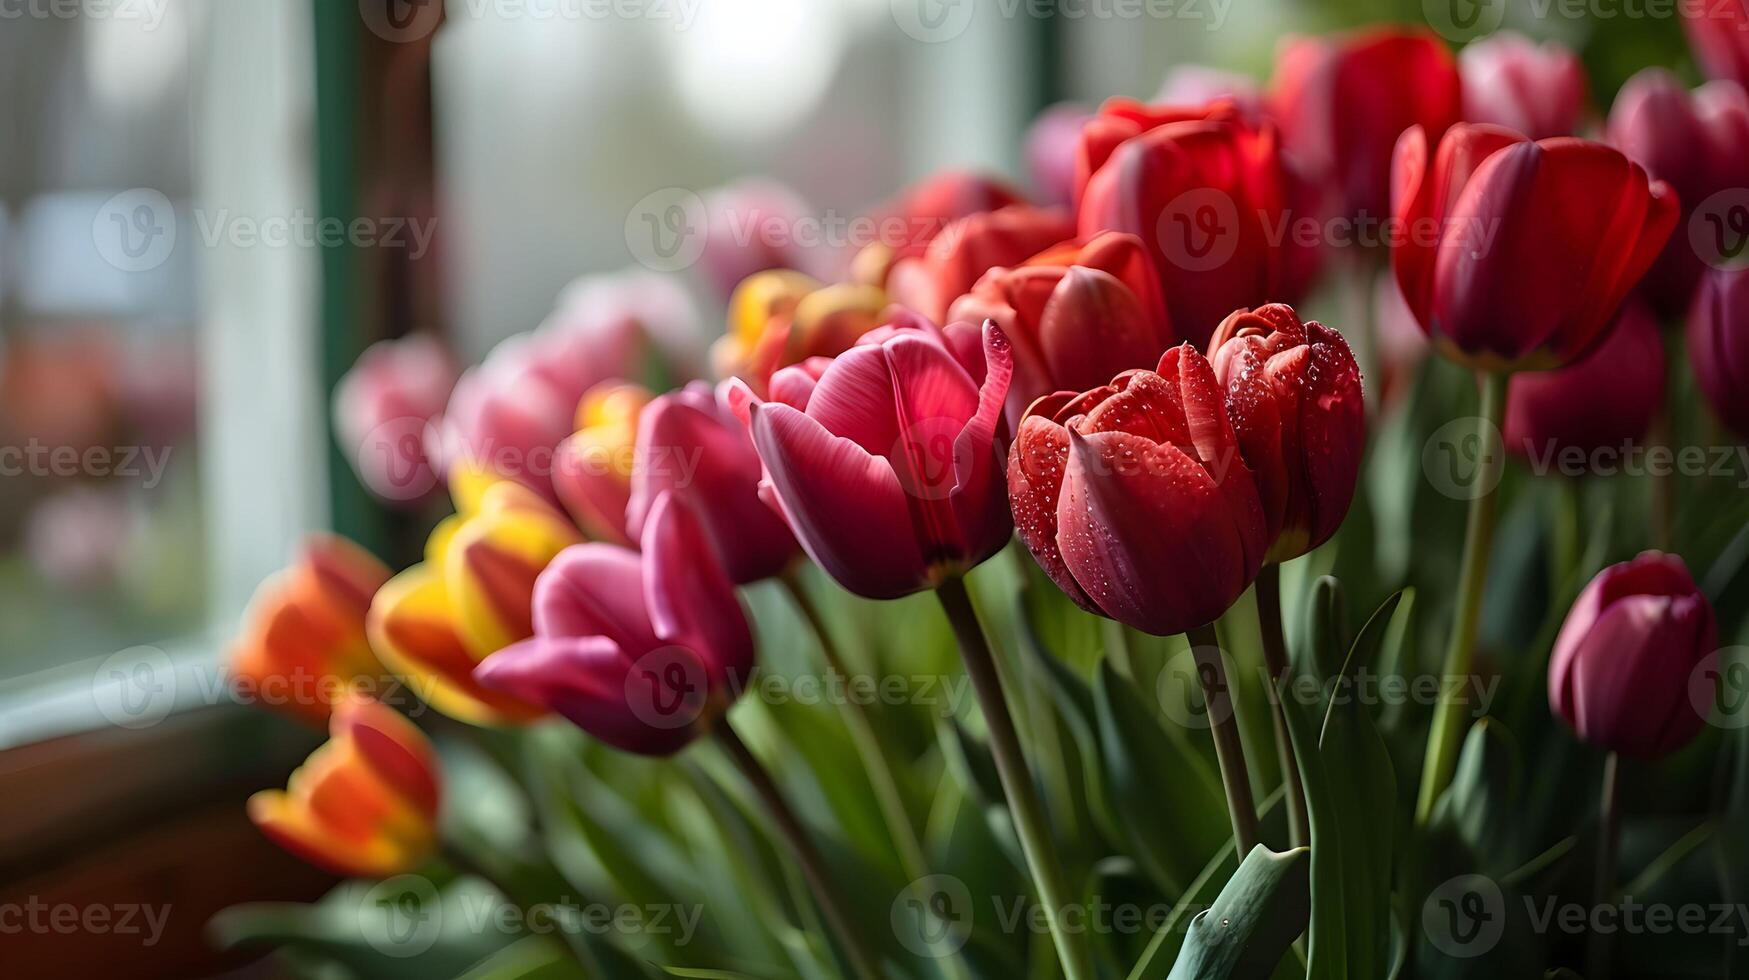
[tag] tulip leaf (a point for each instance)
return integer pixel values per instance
(539, 958)
(1482, 802)
(1073, 701)
(1168, 805)
(1252, 922)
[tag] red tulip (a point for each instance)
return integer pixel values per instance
(1197, 84)
(1621, 667)
(1718, 33)
(1537, 89)
(1698, 143)
(1207, 192)
(906, 225)
(691, 448)
(1135, 500)
(383, 407)
(886, 466)
(1076, 315)
(643, 651)
(968, 248)
(1605, 399)
(1050, 151)
(1718, 344)
(1515, 255)
(1343, 101)
(1294, 397)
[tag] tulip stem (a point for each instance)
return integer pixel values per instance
(874, 762)
(813, 867)
(1275, 658)
(1447, 731)
(1017, 783)
(1217, 694)
(1608, 825)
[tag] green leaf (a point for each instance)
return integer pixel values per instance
(1253, 921)
(1482, 802)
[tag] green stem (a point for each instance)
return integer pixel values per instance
(1609, 821)
(1275, 658)
(1017, 784)
(1447, 732)
(874, 762)
(807, 856)
(1217, 693)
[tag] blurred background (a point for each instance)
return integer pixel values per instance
(178, 301)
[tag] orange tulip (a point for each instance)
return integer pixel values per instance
(365, 803)
(782, 317)
(592, 470)
(303, 639)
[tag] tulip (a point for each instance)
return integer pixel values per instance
(470, 597)
(1050, 151)
(1075, 314)
(752, 227)
(1343, 101)
(364, 804)
(1511, 81)
(1717, 327)
(1698, 143)
(1134, 497)
(970, 247)
(1605, 399)
(885, 466)
(1208, 193)
(1189, 85)
(783, 317)
(643, 651)
(383, 407)
(592, 469)
(905, 226)
(692, 449)
(1294, 398)
(1516, 254)
(304, 631)
(1718, 33)
(1622, 663)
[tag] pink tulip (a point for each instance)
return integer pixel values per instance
(1622, 665)
(383, 408)
(1191, 85)
(1603, 400)
(1510, 80)
(753, 226)
(643, 651)
(886, 466)
(690, 447)
(1050, 151)
(1718, 344)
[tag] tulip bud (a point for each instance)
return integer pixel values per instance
(1717, 326)
(1698, 143)
(1510, 80)
(472, 596)
(1718, 33)
(1605, 399)
(383, 408)
(887, 471)
(1210, 196)
(1050, 151)
(592, 469)
(783, 317)
(1622, 664)
(1294, 397)
(689, 447)
(1342, 102)
(645, 651)
(1133, 496)
(968, 248)
(304, 632)
(1516, 254)
(1076, 315)
(363, 805)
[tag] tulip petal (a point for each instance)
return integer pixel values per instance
(593, 684)
(691, 599)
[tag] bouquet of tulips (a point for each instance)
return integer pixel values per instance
(1040, 592)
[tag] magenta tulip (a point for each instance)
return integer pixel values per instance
(753, 225)
(1622, 665)
(1718, 344)
(1134, 498)
(1510, 80)
(383, 407)
(643, 651)
(1606, 399)
(886, 466)
(689, 447)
